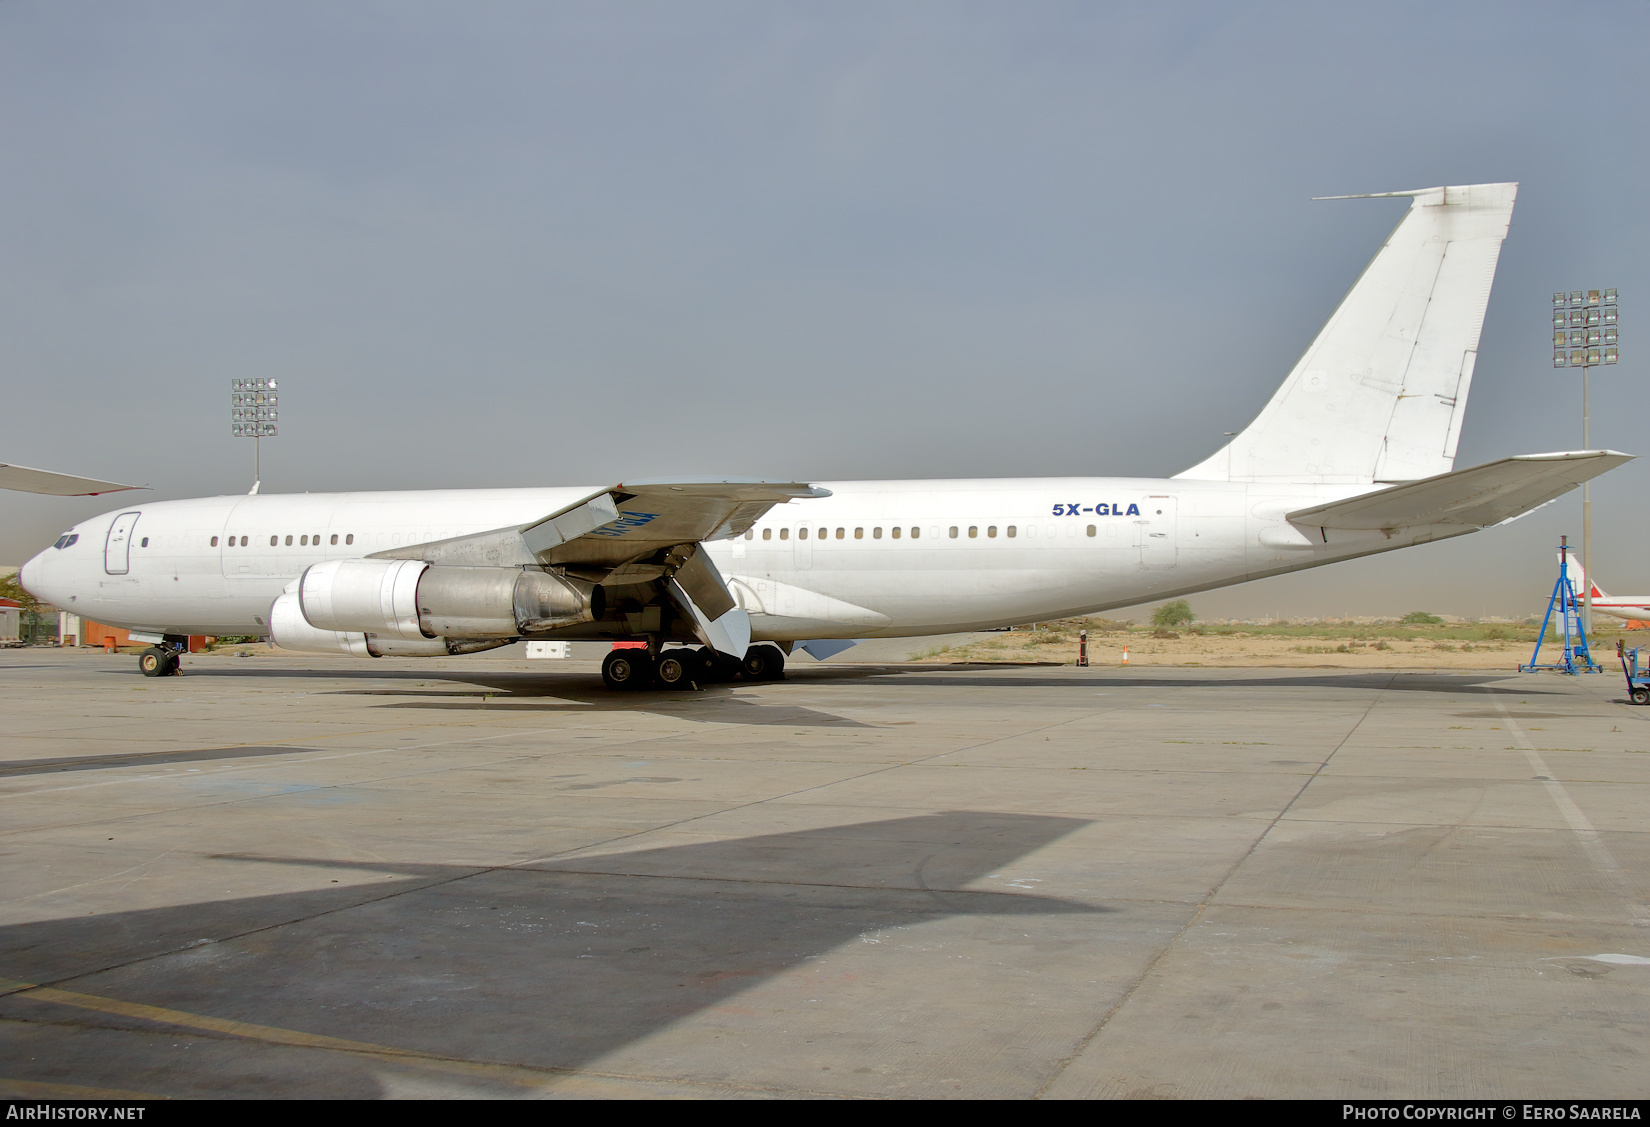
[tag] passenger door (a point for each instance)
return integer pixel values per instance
(117, 549)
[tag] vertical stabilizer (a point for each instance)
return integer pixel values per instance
(1379, 395)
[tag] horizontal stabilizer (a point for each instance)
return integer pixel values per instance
(1476, 497)
(25, 480)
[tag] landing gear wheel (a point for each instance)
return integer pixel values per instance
(708, 667)
(157, 662)
(763, 663)
(1641, 696)
(626, 669)
(671, 671)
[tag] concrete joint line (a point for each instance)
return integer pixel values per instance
(1587, 836)
(1203, 905)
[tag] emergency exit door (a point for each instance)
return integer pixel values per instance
(1157, 532)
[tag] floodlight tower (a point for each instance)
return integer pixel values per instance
(253, 414)
(1584, 336)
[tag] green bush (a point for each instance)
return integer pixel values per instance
(1420, 618)
(1177, 612)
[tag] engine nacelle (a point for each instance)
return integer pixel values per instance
(289, 630)
(410, 601)
(361, 596)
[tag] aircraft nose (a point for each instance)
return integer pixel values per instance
(32, 574)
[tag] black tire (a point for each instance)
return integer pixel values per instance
(156, 662)
(626, 670)
(1641, 696)
(671, 670)
(763, 663)
(707, 667)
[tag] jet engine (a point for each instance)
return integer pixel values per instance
(412, 601)
(289, 630)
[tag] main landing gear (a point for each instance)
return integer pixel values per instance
(676, 668)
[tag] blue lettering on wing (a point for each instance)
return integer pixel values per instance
(624, 524)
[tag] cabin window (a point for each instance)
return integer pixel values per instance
(214, 541)
(1012, 531)
(915, 532)
(1091, 530)
(145, 543)
(303, 541)
(767, 534)
(1031, 531)
(894, 532)
(841, 533)
(859, 534)
(876, 534)
(953, 532)
(289, 540)
(316, 539)
(273, 540)
(784, 534)
(991, 530)
(350, 539)
(973, 531)
(802, 533)
(334, 538)
(750, 534)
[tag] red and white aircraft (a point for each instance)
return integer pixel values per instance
(1631, 607)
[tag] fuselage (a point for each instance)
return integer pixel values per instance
(874, 559)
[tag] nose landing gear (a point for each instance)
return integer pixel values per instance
(159, 661)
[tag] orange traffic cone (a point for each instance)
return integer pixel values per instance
(1125, 655)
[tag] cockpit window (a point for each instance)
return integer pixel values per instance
(66, 539)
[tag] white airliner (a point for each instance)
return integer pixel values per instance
(1630, 607)
(1353, 455)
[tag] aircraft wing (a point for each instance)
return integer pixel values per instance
(25, 480)
(636, 533)
(1477, 497)
(617, 526)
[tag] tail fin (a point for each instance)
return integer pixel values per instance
(1379, 395)
(1579, 578)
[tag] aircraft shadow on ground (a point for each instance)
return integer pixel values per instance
(547, 966)
(586, 688)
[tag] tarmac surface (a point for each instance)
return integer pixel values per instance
(309, 877)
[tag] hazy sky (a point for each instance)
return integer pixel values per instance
(539, 243)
